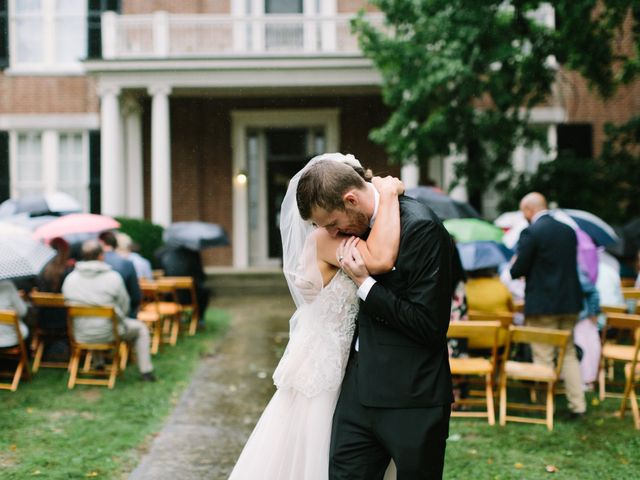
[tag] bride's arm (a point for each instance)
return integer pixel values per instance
(381, 247)
(380, 250)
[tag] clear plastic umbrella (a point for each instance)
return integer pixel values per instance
(21, 256)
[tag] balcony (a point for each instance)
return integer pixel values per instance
(172, 36)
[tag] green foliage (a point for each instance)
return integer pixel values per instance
(460, 76)
(51, 432)
(146, 234)
(608, 186)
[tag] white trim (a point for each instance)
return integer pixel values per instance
(45, 121)
(241, 120)
(548, 115)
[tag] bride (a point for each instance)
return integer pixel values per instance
(292, 437)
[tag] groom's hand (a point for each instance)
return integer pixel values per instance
(353, 264)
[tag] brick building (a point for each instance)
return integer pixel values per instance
(202, 109)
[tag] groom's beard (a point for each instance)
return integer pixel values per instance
(358, 223)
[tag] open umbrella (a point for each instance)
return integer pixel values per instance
(443, 205)
(24, 220)
(11, 229)
(195, 235)
(477, 255)
(57, 202)
(599, 230)
(75, 224)
(472, 230)
(21, 256)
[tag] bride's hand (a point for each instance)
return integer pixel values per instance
(388, 184)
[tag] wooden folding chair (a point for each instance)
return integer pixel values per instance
(631, 293)
(42, 336)
(149, 313)
(505, 319)
(117, 348)
(169, 308)
(532, 372)
(186, 284)
(476, 365)
(624, 349)
(16, 352)
(632, 373)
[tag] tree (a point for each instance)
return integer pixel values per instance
(461, 76)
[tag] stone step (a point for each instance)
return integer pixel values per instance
(240, 282)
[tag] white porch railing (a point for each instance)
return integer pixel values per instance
(163, 35)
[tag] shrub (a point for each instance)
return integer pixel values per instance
(146, 234)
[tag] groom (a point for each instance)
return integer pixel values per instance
(396, 395)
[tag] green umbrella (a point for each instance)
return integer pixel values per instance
(473, 230)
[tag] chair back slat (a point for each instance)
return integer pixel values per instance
(613, 308)
(631, 293)
(10, 317)
(505, 318)
(557, 338)
(47, 299)
(627, 321)
(180, 282)
(474, 328)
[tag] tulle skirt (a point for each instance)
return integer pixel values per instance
(291, 440)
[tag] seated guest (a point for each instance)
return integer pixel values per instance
(124, 267)
(10, 300)
(487, 293)
(94, 282)
(126, 250)
(50, 280)
(182, 262)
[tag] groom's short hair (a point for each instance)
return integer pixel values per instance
(323, 184)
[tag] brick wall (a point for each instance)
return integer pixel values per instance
(172, 6)
(42, 94)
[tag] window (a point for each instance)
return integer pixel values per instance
(28, 166)
(47, 35)
(48, 161)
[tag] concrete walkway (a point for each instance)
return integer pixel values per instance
(205, 434)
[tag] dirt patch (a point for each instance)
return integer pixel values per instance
(92, 395)
(8, 460)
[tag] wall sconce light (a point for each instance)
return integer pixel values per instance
(241, 177)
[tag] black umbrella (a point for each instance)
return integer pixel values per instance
(195, 235)
(443, 205)
(630, 235)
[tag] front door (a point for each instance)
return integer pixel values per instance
(277, 153)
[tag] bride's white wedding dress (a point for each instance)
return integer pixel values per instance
(291, 439)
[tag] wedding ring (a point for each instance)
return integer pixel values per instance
(340, 259)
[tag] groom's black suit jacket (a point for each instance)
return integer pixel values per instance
(402, 326)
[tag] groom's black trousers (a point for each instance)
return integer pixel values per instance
(364, 439)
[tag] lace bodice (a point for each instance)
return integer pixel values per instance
(316, 356)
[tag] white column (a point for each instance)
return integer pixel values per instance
(161, 34)
(109, 34)
(112, 191)
(410, 174)
(160, 155)
(133, 154)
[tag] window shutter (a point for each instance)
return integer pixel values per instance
(5, 181)
(94, 171)
(94, 25)
(4, 34)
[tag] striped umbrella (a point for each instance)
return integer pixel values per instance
(21, 256)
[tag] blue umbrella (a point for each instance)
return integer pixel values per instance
(482, 254)
(599, 230)
(195, 235)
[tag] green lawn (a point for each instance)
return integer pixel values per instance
(51, 432)
(600, 447)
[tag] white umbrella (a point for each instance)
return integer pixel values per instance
(21, 256)
(56, 202)
(13, 230)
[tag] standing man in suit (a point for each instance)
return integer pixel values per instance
(396, 395)
(547, 258)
